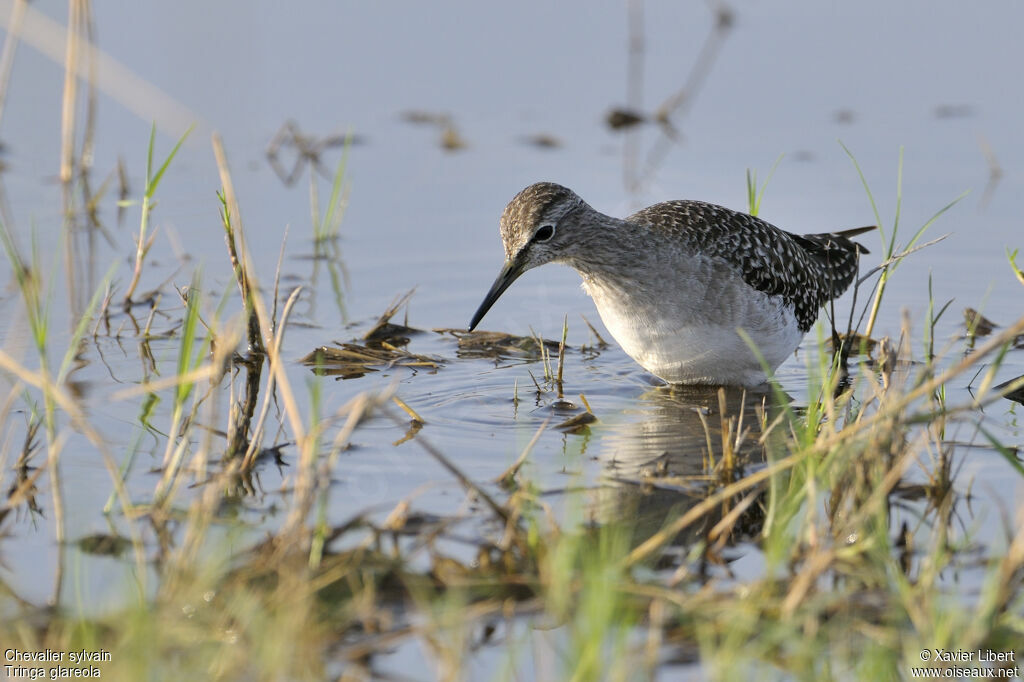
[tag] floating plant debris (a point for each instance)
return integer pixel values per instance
(856, 341)
(977, 324)
(353, 360)
(450, 140)
(542, 141)
(496, 345)
(617, 119)
(103, 544)
(954, 111)
(381, 347)
(388, 333)
(420, 117)
(844, 116)
(577, 423)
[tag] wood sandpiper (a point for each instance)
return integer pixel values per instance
(674, 281)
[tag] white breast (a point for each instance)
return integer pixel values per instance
(684, 328)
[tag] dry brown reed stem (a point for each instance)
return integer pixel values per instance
(601, 343)
(561, 354)
(229, 189)
(54, 446)
(725, 424)
(76, 53)
(277, 280)
(545, 359)
(14, 24)
(818, 563)
(72, 55)
(306, 445)
(89, 131)
(823, 444)
(240, 268)
(147, 328)
(408, 410)
(894, 259)
(221, 364)
(256, 434)
(709, 462)
(291, 407)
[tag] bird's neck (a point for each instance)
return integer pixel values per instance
(611, 247)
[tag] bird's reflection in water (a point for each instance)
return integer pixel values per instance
(671, 451)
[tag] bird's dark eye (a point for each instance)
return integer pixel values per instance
(545, 233)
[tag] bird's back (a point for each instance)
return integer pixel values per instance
(806, 271)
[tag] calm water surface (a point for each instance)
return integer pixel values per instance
(934, 79)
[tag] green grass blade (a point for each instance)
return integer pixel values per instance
(754, 196)
(83, 322)
(867, 189)
(751, 192)
(188, 336)
(936, 216)
(899, 206)
(149, 157)
(1012, 257)
(154, 180)
(328, 226)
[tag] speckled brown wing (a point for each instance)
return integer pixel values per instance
(806, 271)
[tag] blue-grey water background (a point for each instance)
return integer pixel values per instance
(939, 80)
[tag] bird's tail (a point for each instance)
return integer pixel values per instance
(837, 254)
(852, 232)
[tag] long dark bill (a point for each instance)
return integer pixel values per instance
(509, 273)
